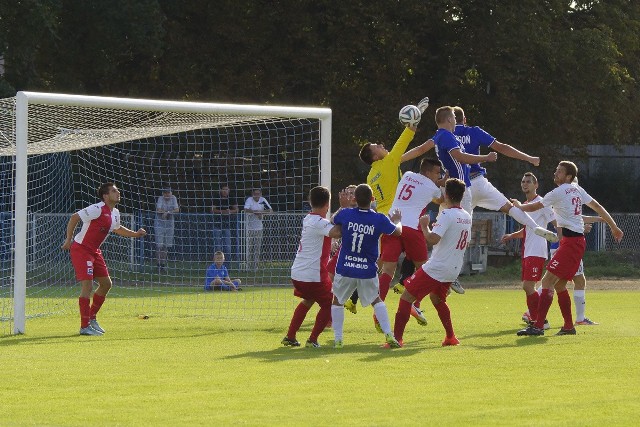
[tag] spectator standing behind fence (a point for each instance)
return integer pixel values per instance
(164, 225)
(255, 207)
(224, 208)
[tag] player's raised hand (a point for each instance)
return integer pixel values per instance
(395, 216)
(141, 232)
(423, 104)
(535, 161)
(516, 203)
(492, 156)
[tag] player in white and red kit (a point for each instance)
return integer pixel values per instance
(414, 192)
(534, 247)
(309, 273)
(566, 200)
(449, 237)
(97, 221)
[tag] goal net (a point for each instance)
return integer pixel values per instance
(56, 150)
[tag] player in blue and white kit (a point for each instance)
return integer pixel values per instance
(483, 193)
(452, 153)
(361, 228)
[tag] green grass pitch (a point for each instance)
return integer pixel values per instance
(194, 371)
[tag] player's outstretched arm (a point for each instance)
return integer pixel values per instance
(617, 233)
(513, 236)
(509, 151)
(472, 159)
(125, 232)
(527, 207)
(418, 151)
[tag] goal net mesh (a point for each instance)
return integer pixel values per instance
(72, 150)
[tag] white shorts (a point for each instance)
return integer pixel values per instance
(485, 195)
(580, 271)
(368, 289)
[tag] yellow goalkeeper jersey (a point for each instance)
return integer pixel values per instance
(385, 174)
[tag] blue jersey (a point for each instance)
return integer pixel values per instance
(472, 138)
(445, 142)
(214, 272)
(361, 229)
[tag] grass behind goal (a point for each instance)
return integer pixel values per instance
(191, 371)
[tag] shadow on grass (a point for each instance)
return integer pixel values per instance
(75, 337)
(370, 352)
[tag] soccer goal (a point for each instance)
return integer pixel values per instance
(55, 150)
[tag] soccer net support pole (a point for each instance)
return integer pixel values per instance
(20, 218)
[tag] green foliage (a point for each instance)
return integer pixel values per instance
(190, 371)
(553, 74)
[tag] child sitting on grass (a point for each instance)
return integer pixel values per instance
(217, 276)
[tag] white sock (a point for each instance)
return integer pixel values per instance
(337, 321)
(380, 310)
(580, 301)
(522, 217)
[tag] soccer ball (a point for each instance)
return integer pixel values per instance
(410, 115)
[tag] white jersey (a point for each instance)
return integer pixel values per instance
(413, 194)
(254, 222)
(311, 260)
(535, 245)
(454, 228)
(566, 201)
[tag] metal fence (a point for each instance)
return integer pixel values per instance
(193, 238)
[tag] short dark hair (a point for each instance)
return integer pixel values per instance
(427, 164)
(454, 189)
(104, 189)
(532, 176)
(459, 113)
(442, 113)
(570, 168)
(319, 197)
(363, 195)
(365, 154)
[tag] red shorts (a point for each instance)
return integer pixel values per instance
(566, 261)
(532, 267)
(331, 265)
(420, 284)
(315, 291)
(87, 264)
(411, 242)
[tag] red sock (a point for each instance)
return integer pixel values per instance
(97, 303)
(445, 317)
(322, 318)
(532, 304)
(416, 303)
(298, 317)
(385, 281)
(564, 301)
(85, 311)
(546, 298)
(402, 318)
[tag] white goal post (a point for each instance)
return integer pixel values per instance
(138, 119)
